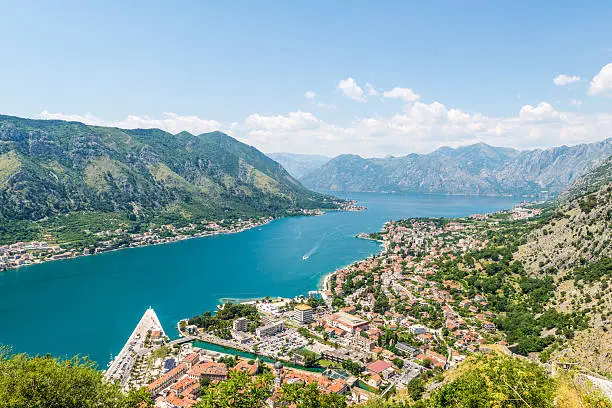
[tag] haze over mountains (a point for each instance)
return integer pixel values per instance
(299, 165)
(474, 169)
(50, 167)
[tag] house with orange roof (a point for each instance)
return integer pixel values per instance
(179, 387)
(337, 386)
(375, 380)
(167, 379)
(180, 402)
(191, 359)
(487, 325)
(382, 368)
(211, 370)
(437, 359)
(244, 366)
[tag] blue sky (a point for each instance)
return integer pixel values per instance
(318, 76)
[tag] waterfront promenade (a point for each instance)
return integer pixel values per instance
(138, 344)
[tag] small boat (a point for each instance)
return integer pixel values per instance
(305, 257)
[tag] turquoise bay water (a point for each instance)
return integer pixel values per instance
(90, 305)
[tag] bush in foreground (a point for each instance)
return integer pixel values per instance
(497, 381)
(46, 382)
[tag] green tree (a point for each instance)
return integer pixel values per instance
(352, 367)
(416, 388)
(338, 302)
(497, 381)
(309, 396)
(46, 382)
(239, 391)
(399, 363)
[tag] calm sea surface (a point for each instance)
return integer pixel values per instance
(90, 305)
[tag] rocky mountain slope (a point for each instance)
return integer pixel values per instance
(475, 169)
(50, 167)
(575, 248)
(589, 182)
(299, 165)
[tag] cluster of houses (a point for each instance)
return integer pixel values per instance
(27, 253)
(180, 385)
(522, 213)
(418, 304)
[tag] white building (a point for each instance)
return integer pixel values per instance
(241, 324)
(269, 329)
(303, 313)
(418, 329)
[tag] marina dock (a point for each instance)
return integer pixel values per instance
(121, 366)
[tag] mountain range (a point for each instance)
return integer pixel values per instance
(591, 181)
(299, 165)
(475, 169)
(50, 167)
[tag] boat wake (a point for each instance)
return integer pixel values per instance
(309, 253)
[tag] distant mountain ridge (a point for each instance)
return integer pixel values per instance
(591, 181)
(474, 169)
(50, 167)
(299, 165)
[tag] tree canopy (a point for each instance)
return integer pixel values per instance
(46, 382)
(497, 381)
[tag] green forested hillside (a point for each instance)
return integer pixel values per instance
(50, 167)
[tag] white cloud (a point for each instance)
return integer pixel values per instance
(418, 127)
(544, 111)
(370, 89)
(576, 102)
(423, 127)
(405, 94)
(350, 89)
(602, 82)
(292, 121)
(88, 118)
(563, 79)
(171, 122)
(312, 96)
(326, 105)
(427, 113)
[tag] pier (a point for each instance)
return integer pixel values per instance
(121, 366)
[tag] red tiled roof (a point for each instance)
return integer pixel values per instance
(379, 366)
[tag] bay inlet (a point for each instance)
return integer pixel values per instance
(90, 305)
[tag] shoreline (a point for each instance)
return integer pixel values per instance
(177, 238)
(169, 240)
(325, 279)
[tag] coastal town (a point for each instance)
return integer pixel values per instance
(18, 254)
(383, 325)
(28, 253)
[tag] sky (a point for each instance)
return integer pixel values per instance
(373, 78)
